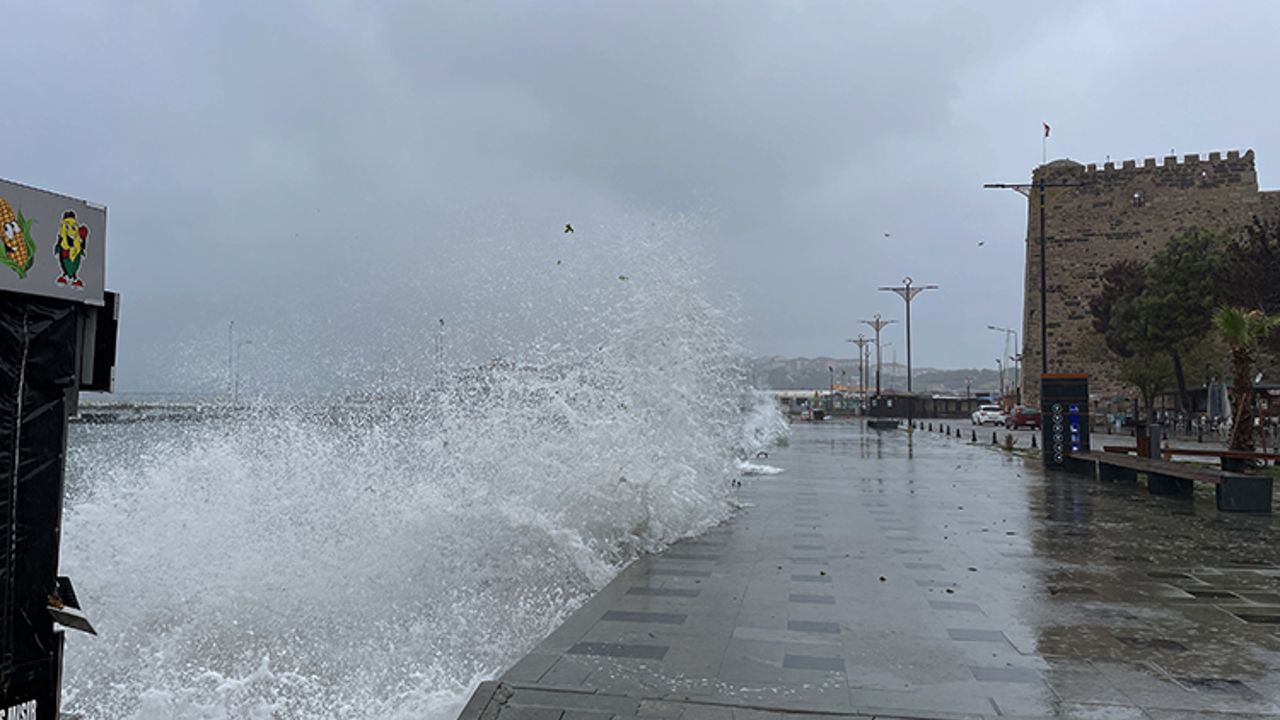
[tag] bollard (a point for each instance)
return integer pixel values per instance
(1033, 440)
(1008, 441)
(994, 441)
(930, 427)
(975, 436)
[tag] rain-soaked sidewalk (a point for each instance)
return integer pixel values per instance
(948, 580)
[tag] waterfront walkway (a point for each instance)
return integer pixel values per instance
(942, 580)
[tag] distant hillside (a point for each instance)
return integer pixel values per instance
(779, 373)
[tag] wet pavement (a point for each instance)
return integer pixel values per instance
(935, 578)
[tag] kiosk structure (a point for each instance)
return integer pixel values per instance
(1064, 417)
(57, 337)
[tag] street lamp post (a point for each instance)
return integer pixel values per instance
(831, 392)
(861, 341)
(908, 292)
(235, 391)
(877, 324)
(231, 334)
(1024, 189)
(1000, 369)
(1016, 379)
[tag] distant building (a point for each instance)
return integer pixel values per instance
(1125, 212)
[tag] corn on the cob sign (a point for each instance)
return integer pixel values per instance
(51, 244)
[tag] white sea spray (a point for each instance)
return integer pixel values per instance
(378, 555)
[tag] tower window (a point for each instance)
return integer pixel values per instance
(1139, 199)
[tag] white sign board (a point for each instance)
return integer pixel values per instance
(51, 244)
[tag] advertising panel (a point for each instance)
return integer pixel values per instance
(51, 245)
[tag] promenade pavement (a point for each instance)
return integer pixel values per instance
(926, 577)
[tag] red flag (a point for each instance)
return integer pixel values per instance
(1046, 129)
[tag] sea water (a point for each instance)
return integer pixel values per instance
(376, 555)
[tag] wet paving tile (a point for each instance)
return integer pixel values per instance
(955, 605)
(967, 635)
(1005, 674)
(663, 592)
(1071, 590)
(1258, 618)
(812, 662)
(813, 626)
(632, 616)
(620, 650)
(1211, 594)
(1160, 644)
(811, 578)
(679, 572)
(812, 599)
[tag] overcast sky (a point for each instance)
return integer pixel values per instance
(306, 168)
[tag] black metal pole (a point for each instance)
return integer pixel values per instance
(866, 377)
(1044, 302)
(862, 385)
(910, 397)
(877, 364)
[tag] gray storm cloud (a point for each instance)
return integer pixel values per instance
(339, 175)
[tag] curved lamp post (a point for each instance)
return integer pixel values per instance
(907, 291)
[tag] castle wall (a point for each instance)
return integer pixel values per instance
(1091, 227)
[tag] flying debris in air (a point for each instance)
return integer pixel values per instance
(886, 234)
(624, 278)
(568, 228)
(981, 243)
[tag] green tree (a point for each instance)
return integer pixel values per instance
(1150, 374)
(1249, 270)
(1243, 331)
(1126, 336)
(1165, 307)
(1181, 295)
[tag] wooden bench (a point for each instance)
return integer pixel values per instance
(1234, 492)
(1168, 452)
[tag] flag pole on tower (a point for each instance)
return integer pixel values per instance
(1044, 144)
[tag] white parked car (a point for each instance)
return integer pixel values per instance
(988, 414)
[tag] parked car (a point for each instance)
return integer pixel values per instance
(1022, 416)
(988, 414)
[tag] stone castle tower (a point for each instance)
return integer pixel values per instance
(1112, 214)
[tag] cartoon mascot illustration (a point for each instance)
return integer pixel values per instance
(15, 236)
(70, 249)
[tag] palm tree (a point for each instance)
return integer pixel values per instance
(1243, 331)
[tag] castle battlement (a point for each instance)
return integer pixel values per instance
(1234, 161)
(1126, 210)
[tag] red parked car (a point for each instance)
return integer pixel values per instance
(1022, 416)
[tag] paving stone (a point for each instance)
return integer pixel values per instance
(812, 599)
(813, 626)
(650, 652)
(812, 662)
(632, 616)
(664, 592)
(1005, 674)
(969, 635)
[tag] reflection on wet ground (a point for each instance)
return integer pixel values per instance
(929, 577)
